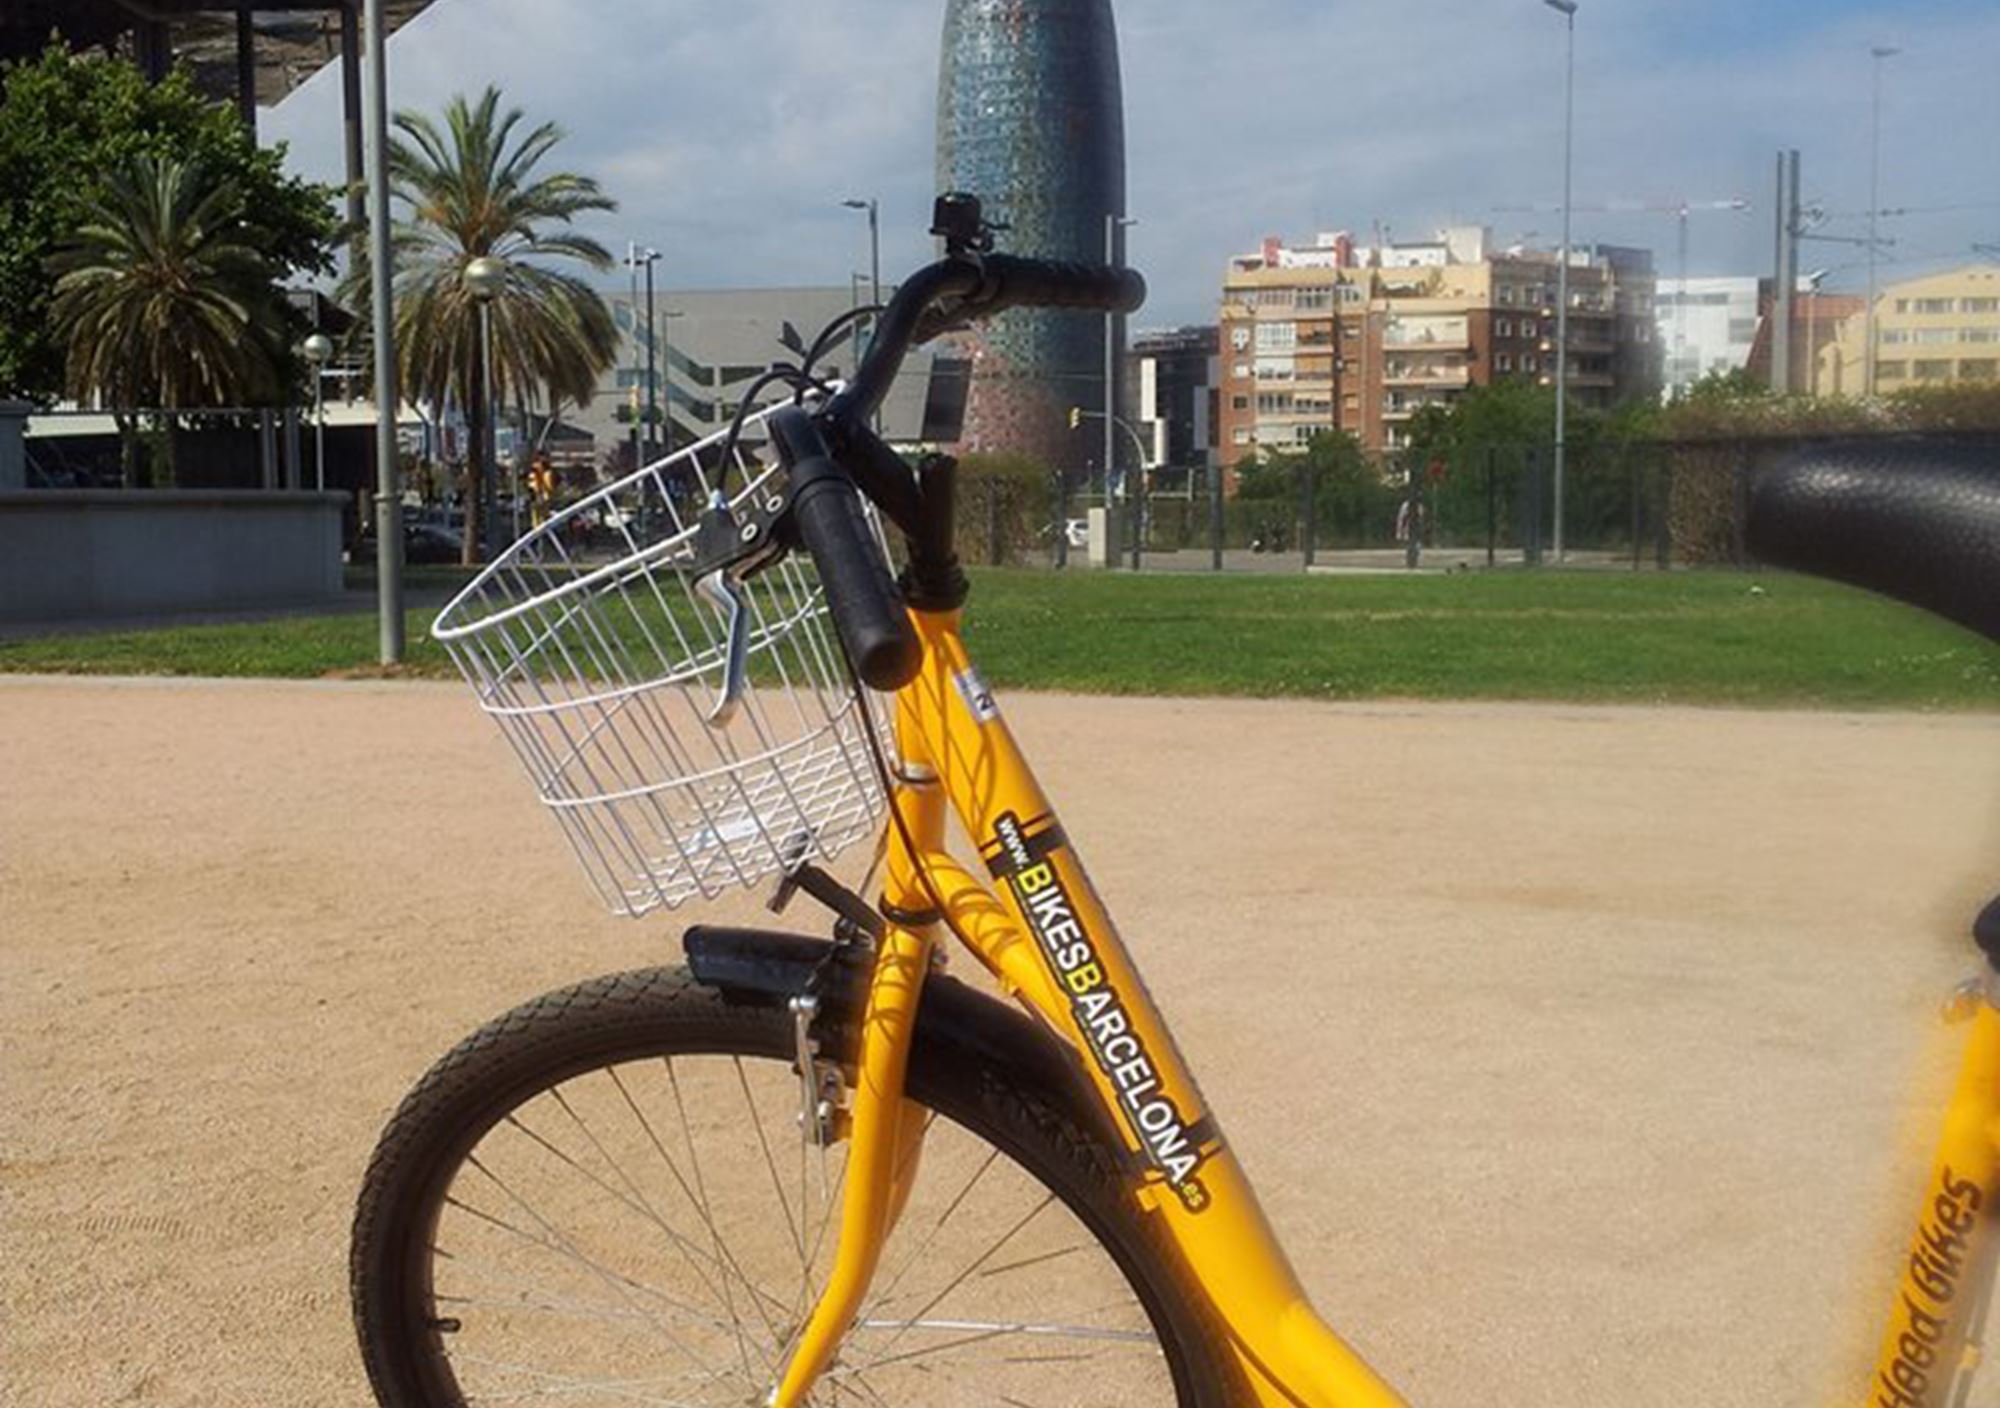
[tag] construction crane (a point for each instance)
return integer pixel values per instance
(1680, 210)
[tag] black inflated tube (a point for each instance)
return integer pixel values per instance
(826, 510)
(1913, 520)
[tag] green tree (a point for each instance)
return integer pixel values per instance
(67, 119)
(471, 189)
(164, 297)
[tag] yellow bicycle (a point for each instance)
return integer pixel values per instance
(818, 1170)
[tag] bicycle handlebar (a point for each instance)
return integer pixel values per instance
(866, 607)
(963, 287)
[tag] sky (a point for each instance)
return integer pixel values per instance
(730, 130)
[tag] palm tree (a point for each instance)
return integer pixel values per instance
(163, 298)
(471, 190)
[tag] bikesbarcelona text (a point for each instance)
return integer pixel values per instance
(1163, 1133)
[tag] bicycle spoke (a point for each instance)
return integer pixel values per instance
(610, 1278)
(969, 1269)
(728, 1300)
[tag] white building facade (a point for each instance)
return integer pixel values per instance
(1705, 325)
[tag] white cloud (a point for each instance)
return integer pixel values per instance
(730, 132)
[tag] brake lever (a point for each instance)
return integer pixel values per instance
(725, 591)
(726, 553)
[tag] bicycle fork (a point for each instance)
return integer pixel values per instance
(885, 1134)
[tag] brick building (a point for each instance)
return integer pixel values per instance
(1364, 337)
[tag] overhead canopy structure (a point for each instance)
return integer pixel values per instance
(276, 44)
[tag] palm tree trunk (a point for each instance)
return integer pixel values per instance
(475, 451)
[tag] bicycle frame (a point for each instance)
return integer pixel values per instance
(1041, 930)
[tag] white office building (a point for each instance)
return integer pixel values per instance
(1705, 325)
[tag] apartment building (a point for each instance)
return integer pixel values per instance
(1929, 331)
(1362, 338)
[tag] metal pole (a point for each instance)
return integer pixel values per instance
(388, 496)
(1879, 53)
(351, 122)
(319, 430)
(1215, 518)
(1562, 276)
(1110, 371)
(246, 72)
(489, 424)
(1492, 507)
(652, 360)
(875, 280)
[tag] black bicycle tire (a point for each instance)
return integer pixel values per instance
(655, 1011)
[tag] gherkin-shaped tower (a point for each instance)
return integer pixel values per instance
(1031, 120)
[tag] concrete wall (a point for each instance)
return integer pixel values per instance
(105, 553)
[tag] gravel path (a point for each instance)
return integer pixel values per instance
(1576, 1051)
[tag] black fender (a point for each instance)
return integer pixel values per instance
(956, 1024)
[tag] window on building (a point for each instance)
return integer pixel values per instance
(1506, 295)
(1275, 369)
(1979, 334)
(1277, 337)
(1272, 403)
(1315, 299)
(1931, 305)
(1978, 369)
(1902, 306)
(1503, 327)
(1303, 434)
(1892, 336)
(1530, 363)
(1891, 371)
(1239, 403)
(1351, 294)
(1503, 362)
(1241, 437)
(1742, 331)
(1931, 369)
(1979, 305)
(1241, 369)
(1932, 337)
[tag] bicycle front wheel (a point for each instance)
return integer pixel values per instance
(605, 1197)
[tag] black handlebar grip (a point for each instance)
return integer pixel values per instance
(865, 605)
(1045, 283)
(1918, 522)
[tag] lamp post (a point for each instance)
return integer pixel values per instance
(381, 260)
(1567, 9)
(641, 257)
(1813, 281)
(1113, 225)
(483, 277)
(1878, 54)
(873, 207)
(316, 349)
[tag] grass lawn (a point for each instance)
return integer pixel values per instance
(1689, 637)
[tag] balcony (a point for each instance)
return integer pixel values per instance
(1426, 337)
(1393, 375)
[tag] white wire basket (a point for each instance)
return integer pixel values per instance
(603, 668)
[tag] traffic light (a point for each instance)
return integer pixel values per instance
(1075, 417)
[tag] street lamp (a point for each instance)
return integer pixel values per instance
(647, 258)
(1113, 224)
(873, 208)
(1567, 9)
(483, 277)
(316, 349)
(1812, 282)
(1878, 53)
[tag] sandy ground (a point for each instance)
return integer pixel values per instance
(1577, 1051)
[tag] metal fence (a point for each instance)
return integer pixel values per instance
(1637, 505)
